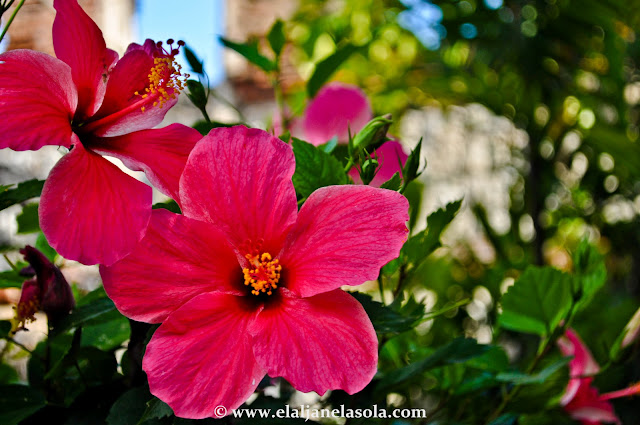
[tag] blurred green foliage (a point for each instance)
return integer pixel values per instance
(563, 71)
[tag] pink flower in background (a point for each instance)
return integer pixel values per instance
(581, 399)
(337, 109)
(88, 101)
(245, 285)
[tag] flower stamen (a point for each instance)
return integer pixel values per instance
(166, 79)
(264, 276)
(25, 312)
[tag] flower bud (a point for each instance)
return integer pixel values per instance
(48, 291)
(632, 330)
(369, 169)
(374, 133)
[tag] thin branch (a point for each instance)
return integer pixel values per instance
(13, 15)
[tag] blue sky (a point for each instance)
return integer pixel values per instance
(197, 22)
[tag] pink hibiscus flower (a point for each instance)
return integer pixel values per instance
(245, 285)
(337, 110)
(581, 399)
(88, 101)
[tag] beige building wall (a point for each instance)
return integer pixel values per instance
(31, 28)
(252, 19)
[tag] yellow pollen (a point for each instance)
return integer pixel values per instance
(264, 275)
(25, 313)
(165, 78)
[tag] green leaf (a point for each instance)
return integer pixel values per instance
(197, 94)
(83, 314)
(557, 416)
(506, 419)
(19, 402)
(393, 183)
(11, 279)
(330, 146)
(156, 409)
(328, 66)
(474, 381)
(413, 192)
(250, 52)
(170, 205)
(457, 351)
(8, 375)
(276, 37)
(205, 127)
(537, 302)
(129, 407)
(22, 192)
(519, 378)
(68, 359)
(5, 327)
(590, 272)
(43, 246)
(410, 170)
(109, 331)
(194, 62)
(386, 319)
(420, 246)
(449, 306)
(81, 368)
(494, 359)
(28, 219)
(546, 392)
(315, 169)
(54, 349)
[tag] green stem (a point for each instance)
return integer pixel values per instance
(277, 90)
(4, 6)
(401, 279)
(350, 163)
(14, 342)
(13, 266)
(13, 15)
(221, 99)
(206, 116)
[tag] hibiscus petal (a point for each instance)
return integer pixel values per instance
(336, 110)
(319, 343)
(160, 153)
(148, 46)
(201, 357)
(177, 259)
(343, 235)
(240, 179)
(91, 211)
(583, 362)
(78, 42)
(587, 405)
(37, 100)
(123, 111)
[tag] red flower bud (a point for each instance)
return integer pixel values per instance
(47, 291)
